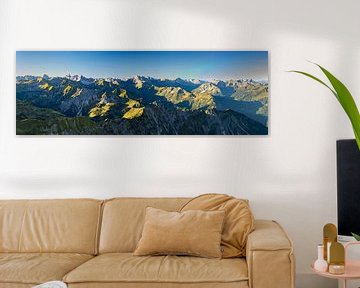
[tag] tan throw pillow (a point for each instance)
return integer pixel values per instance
(195, 233)
(239, 220)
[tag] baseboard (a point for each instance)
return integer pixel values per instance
(310, 280)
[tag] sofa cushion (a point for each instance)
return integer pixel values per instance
(36, 268)
(239, 220)
(237, 284)
(126, 268)
(15, 285)
(63, 226)
(194, 232)
(123, 220)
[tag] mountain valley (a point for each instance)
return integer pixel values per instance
(140, 105)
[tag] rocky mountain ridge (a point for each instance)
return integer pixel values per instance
(112, 100)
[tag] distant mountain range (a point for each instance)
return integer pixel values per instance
(75, 104)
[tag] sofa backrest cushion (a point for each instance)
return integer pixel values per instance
(239, 220)
(193, 233)
(123, 220)
(64, 226)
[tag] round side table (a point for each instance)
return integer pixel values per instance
(352, 269)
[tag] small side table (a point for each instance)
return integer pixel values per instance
(352, 269)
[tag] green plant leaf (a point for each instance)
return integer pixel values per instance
(316, 79)
(347, 102)
(357, 137)
(344, 97)
(356, 236)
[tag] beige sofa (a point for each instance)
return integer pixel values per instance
(89, 243)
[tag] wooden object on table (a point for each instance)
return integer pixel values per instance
(352, 268)
(329, 236)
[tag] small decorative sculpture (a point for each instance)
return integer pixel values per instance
(337, 258)
(330, 236)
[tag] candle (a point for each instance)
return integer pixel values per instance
(336, 269)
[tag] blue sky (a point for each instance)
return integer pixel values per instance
(204, 65)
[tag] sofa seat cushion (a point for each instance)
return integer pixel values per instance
(127, 268)
(36, 268)
(242, 284)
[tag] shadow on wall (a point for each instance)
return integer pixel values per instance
(279, 30)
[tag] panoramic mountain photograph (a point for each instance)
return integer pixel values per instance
(142, 93)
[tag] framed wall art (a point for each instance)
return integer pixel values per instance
(142, 93)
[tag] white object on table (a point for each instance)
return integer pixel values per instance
(320, 264)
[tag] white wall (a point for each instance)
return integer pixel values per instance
(289, 175)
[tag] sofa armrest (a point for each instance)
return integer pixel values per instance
(269, 256)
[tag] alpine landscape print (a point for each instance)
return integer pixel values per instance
(142, 93)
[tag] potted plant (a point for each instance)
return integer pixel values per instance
(345, 99)
(357, 237)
